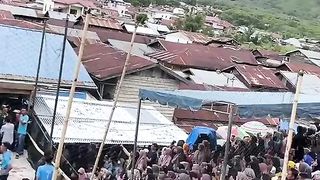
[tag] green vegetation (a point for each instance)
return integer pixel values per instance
(141, 19)
(290, 18)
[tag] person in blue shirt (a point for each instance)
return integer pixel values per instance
(45, 172)
(6, 165)
(22, 131)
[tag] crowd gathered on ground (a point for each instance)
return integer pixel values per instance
(251, 157)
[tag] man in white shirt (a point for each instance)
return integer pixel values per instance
(7, 132)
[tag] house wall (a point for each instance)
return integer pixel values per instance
(152, 78)
(79, 10)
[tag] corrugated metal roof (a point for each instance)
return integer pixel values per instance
(105, 22)
(21, 24)
(74, 32)
(138, 49)
(310, 54)
(213, 119)
(141, 30)
(19, 49)
(85, 3)
(110, 12)
(6, 14)
(20, 11)
(205, 87)
(61, 16)
(202, 57)
(158, 27)
(257, 76)
(104, 61)
(89, 118)
(310, 83)
(196, 37)
(106, 34)
(212, 78)
(296, 67)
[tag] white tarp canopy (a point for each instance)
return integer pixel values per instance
(89, 118)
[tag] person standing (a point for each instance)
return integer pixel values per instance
(22, 131)
(7, 132)
(45, 172)
(6, 165)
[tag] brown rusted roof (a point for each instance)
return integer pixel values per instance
(296, 67)
(110, 12)
(258, 77)
(187, 119)
(105, 23)
(85, 3)
(21, 23)
(104, 62)
(268, 54)
(6, 15)
(202, 57)
(197, 37)
(105, 34)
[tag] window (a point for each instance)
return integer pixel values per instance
(73, 11)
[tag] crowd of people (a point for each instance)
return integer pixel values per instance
(253, 157)
(13, 130)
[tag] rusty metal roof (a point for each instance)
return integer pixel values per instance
(202, 57)
(6, 14)
(186, 119)
(85, 3)
(21, 24)
(105, 23)
(296, 67)
(104, 62)
(259, 77)
(105, 34)
(196, 37)
(109, 12)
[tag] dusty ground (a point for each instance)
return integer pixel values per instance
(21, 169)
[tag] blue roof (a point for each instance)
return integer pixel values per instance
(250, 104)
(19, 49)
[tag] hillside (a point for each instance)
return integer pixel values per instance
(293, 18)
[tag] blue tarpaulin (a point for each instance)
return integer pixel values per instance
(199, 131)
(250, 104)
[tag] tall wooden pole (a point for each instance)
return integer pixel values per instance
(291, 126)
(115, 101)
(136, 139)
(73, 88)
(227, 145)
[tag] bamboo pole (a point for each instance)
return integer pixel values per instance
(73, 88)
(291, 126)
(227, 147)
(115, 101)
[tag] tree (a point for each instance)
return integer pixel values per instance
(193, 23)
(141, 19)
